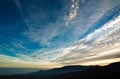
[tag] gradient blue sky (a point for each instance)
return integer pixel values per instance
(54, 33)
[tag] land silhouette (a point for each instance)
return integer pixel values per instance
(111, 71)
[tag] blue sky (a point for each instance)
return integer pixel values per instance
(59, 32)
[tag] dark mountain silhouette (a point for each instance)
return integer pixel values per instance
(111, 71)
(56, 71)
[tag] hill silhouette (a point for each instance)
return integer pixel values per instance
(111, 71)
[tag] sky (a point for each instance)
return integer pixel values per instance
(55, 33)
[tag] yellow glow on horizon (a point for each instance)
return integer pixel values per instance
(101, 62)
(49, 66)
(28, 65)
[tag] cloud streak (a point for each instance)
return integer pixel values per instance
(14, 62)
(101, 44)
(73, 12)
(63, 33)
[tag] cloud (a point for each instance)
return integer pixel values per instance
(42, 55)
(18, 4)
(41, 31)
(9, 61)
(81, 17)
(43, 36)
(6, 58)
(16, 46)
(40, 27)
(101, 44)
(101, 62)
(72, 12)
(6, 47)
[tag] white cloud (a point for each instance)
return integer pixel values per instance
(73, 11)
(9, 61)
(43, 36)
(6, 58)
(86, 18)
(37, 29)
(110, 26)
(82, 22)
(86, 50)
(103, 47)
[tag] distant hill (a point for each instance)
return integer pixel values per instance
(111, 71)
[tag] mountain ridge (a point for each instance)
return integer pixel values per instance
(89, 72)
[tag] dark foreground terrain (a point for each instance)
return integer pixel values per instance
(111, 71)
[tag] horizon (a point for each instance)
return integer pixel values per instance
(15, 71)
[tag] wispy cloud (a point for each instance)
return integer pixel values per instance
(18, 4)
(40, 29)
(43, 36)
(72, 12)
(95, 46)
(85, 19)
(101, 44)
(9, 61)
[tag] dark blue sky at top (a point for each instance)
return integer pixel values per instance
(12, 24)
(30, 25)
